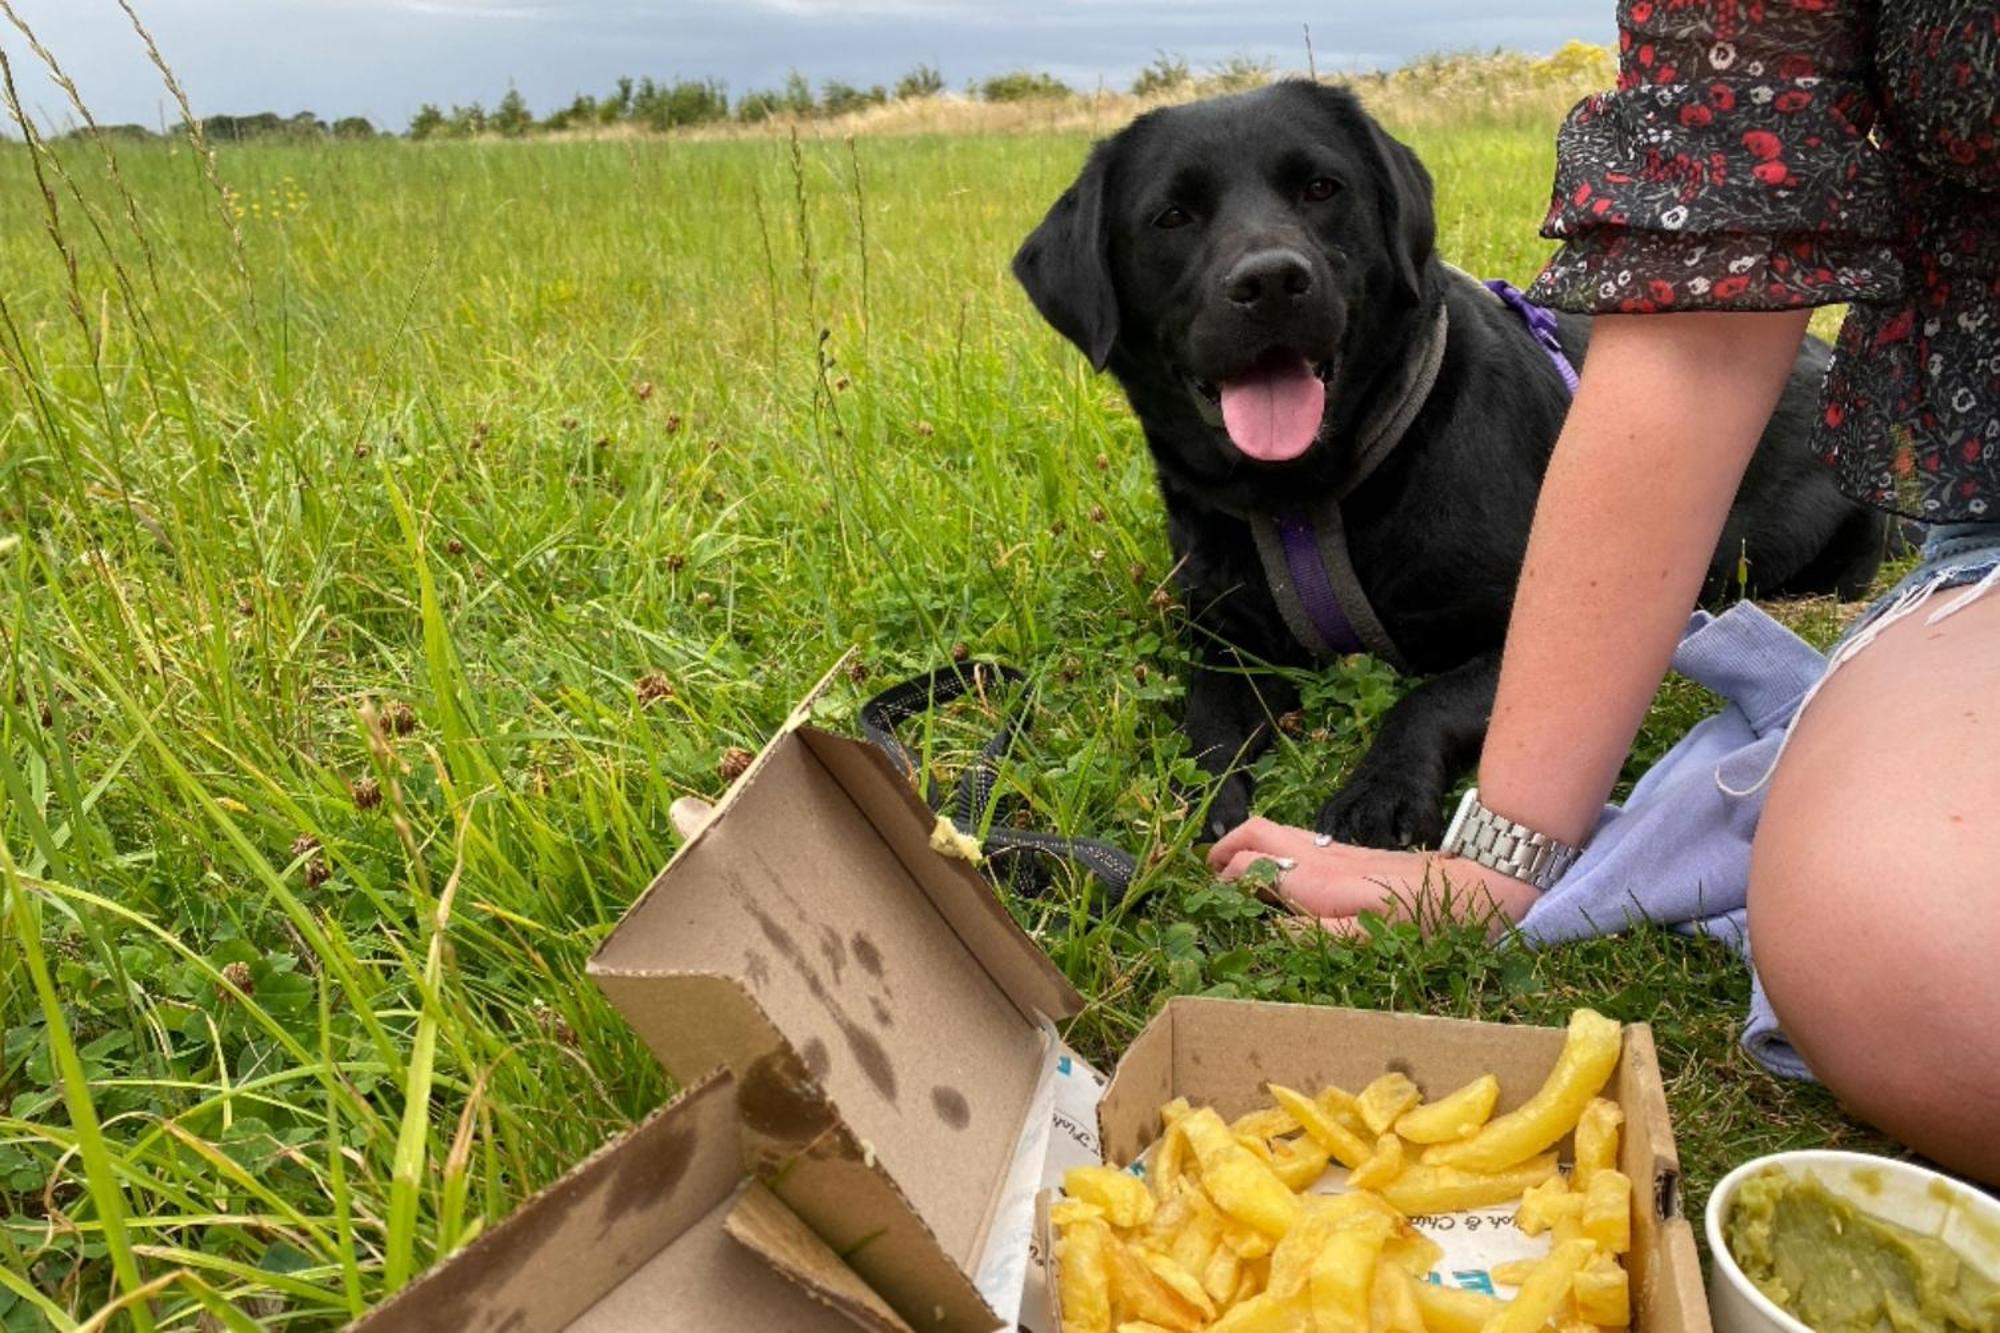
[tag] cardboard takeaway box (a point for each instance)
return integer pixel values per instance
(867, 1032)
(658, 1230)
(1223, 1053)
(891, 1030)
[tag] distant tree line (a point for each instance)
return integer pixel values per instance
(242, 129)
(652, 105)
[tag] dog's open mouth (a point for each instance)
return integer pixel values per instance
(1271, 411)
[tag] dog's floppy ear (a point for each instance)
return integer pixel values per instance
(1402, 188)
(1065, 264)
(1409, 216)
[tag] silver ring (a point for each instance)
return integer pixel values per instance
(1322, 840)
(1286, 865)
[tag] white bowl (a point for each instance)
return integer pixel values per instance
(1921, 1200)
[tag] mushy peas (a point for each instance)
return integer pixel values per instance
(1838, 1270)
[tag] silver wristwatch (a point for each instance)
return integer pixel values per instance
(1498, 843)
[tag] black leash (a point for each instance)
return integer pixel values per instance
(1018, 850)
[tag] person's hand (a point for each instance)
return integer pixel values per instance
(1334, 883)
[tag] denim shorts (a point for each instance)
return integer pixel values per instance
(1955, 555)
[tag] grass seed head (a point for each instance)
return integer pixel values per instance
(1292, 723)
(238, 975)
(926, 429)
(734, 764)
(366, 793)
(399, 717)
(652, 688)
(643, 391)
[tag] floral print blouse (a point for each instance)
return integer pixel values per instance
(1770, 154)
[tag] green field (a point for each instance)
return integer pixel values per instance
(387, 543)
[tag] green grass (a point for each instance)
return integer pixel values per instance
(332, 569)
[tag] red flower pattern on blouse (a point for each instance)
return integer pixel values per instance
(1774, 154)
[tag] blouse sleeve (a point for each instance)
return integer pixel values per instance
(1732, 167)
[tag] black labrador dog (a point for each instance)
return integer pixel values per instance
(1259, 273)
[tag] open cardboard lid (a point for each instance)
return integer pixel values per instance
(1223, 1053)
(809, 936)
(655, 1231)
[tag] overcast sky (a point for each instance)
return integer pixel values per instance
(381, 58)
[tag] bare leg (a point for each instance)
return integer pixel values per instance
(1875, 886)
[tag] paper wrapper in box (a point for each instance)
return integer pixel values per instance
(1224, 1053)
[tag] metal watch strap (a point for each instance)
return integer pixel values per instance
(1498, 843)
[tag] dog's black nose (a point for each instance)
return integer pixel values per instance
(1268, 280)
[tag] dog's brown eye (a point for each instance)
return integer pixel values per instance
(1320, 189)
(1171, 217)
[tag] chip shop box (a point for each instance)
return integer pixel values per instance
(890, 1028)
(657, 1230)
(1223, 1053)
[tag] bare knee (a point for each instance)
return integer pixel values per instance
(1880, 961)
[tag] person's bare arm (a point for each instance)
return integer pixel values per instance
(1669, 412)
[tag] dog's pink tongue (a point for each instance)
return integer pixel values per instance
(1273, 412)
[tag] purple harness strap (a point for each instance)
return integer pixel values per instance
(1314, 589)
(1540, 323)
(1312, 586)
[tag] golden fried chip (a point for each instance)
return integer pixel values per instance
(1514, 1272)
(1544, 1205)
(1183, 1283)
(1596, 1140)
(1543, 1292)
(1173, 1110)
(1222, 1275)
(1069, 1212)
(1299, 1162)
(1589, 1054)
(1451, 1118)
(1604, 1292)
(1123, 1196)
(1424, 1188)
(1454, 1310)
(1083, 1277)
(1237, 1182)
(1137, 1292)
(1168, 1163)
(1265, 1314)
(1269, 1122)
(1607, 1211)
(1256, 1147)
(1412, 1251)
(1343, 1274)
(1392, 1303)
(1292, 1257)
(1382, 1167)
(1383, 1102)
(1197, 1236)
(1345, 1146)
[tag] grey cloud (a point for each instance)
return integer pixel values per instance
(381, 58)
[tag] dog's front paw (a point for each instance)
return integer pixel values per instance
(1229, 807)
(1373, 813)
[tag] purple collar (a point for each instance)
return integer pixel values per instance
(1305, 550)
